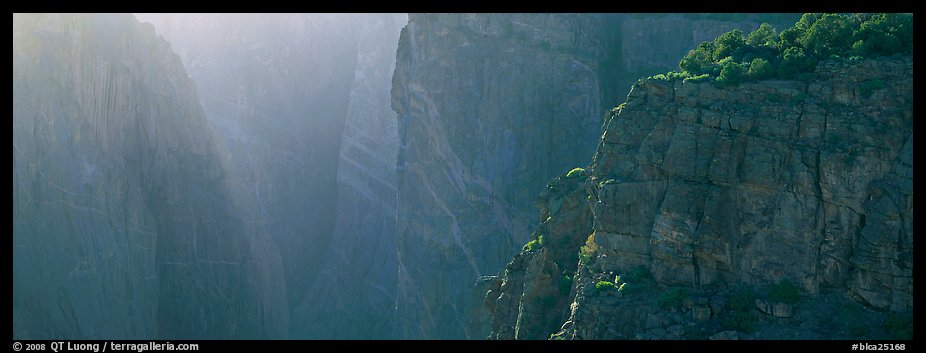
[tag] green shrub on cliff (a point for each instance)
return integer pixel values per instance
(576, 172)
(731, 72)
(733, 57)
(588, 250)
(604, 285)
(759, 69)
(533, 244)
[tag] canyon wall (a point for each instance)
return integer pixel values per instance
(124, 225)
(491, 107)
(700, 193)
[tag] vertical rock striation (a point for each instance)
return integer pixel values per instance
(301, 101)
(275, 88)
(123, 225)
(490, 107)
(354, 294)
(711, 188)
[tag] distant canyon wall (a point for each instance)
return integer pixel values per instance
(490, 108)
(301, 104)
(124, 224)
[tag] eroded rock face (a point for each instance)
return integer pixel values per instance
(490, 107)
(709, 188)
(302, 103)
(123, 224)
(353, 296)
(730, 179)
(275, 88)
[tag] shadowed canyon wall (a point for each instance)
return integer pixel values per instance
(123, 222)
(301, 101)
(490, 107)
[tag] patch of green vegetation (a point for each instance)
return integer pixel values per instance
(698, 78)
(898, 326)
(671, 76)
(800, 97)
(867, 87)
(588, 250)
(622, 286)
(604, 285)
(601, 184)
(533, 244)
(731, 72)
(672, 297)
(576, 172)
(784, 291)
(774, 98)
(734, 57)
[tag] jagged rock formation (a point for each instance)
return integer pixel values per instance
(490, 107)
(717, 191)
(123, 225)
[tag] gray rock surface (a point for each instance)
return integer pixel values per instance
(355, 290)
(711, 188)
(302, 102)
(123, 222)
(276, 88)
(491, 107)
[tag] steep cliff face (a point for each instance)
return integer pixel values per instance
(122, 221)
(302, 102)
(490, 107)
(354, 294)
(485, 104)
(701, 196)
(275, 88)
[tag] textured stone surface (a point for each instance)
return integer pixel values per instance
(302, 102)
(279, 106)
(490, 107)
(123, 224)
(468, 89)
(709, 188)
(355, 290)
(789, 175)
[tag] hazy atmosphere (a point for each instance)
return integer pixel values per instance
(463, 176)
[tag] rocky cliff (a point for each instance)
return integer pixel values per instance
(490, 107)
(275, 88)
(123, 224)
(773, 209)
(301, 101)
(355, 289)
